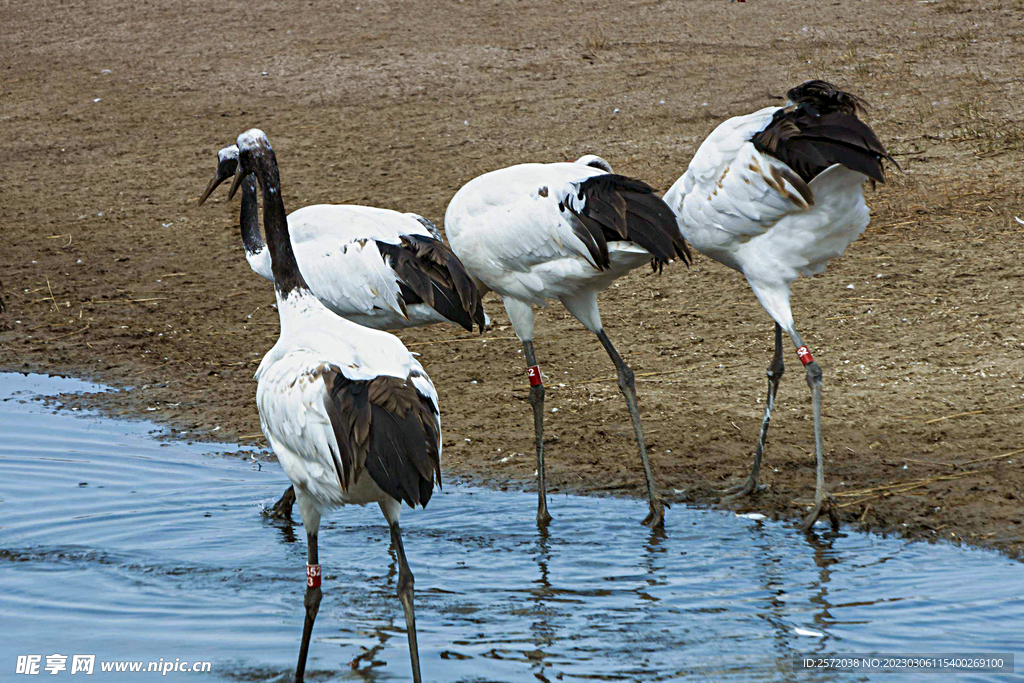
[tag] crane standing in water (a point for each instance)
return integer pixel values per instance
(380, 268)
(348, 410)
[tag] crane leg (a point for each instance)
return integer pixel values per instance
(405, 595)
(282, 509)
(537, 401)
(312, 601)
(822, 499)
(775, 370)
(627, 384)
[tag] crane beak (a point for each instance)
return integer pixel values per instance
(216, 180)
(236, 182)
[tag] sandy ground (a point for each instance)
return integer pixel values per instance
(112, 112)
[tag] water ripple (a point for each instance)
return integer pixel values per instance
(118, 545)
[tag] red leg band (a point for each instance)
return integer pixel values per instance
(804, 354)
(312, 576)
(533, 373)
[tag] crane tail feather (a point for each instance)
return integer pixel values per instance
(619, 208)
(821, 127)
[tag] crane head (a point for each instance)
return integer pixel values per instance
(256, 156)
(595, 161)
(227, 163)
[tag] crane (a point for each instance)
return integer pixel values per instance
(535, 232)
(776, 194)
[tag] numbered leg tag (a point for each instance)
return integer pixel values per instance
(312, 576)
(534, 374)
(804, 354)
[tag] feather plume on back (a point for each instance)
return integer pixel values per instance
(615, 207)
(821, 127)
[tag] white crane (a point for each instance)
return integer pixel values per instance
(776, 194)
(565, 231)
(376, 267)
(348, 410)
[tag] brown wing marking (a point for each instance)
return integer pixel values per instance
(617, 208)
(387, 428)
(429, 272)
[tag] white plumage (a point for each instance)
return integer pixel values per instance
(339, 251)
(348, 410)
(522, 245)
(776, 194)
(376, 267)
(535, 232)
(336, 247)
(292, 394)
(732, 209)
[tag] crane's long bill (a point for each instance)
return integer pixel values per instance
(236, 182)
(216, 180)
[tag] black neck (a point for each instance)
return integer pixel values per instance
(252, 240)
(275, 223)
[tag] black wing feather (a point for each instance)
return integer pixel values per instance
(410, 272)
(451, 279)
(822, 128)
(396, 456)
(646, 217)
(617, 208)
(385, 427)
(609, 209)
(348, 408)
(429, 272)
(446, 302)
(592, 234)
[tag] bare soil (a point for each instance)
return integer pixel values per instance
(112, 113)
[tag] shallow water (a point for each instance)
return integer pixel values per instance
(116, 544)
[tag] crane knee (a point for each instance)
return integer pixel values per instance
(627, 378)
(406, 582)
(813, 374)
